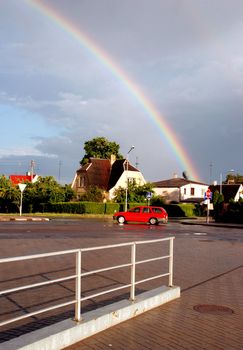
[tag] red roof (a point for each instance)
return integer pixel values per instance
(18, 179)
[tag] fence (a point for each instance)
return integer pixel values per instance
(79, 275)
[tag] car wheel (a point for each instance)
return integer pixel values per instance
(121, 220)
(153, 221)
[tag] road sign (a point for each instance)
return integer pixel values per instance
(22, 187)
(208, 194)
(148, 195)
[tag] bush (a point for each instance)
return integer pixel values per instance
(82, 208)
(233, 212)
(180, 210)
(173, 210)
(111, 208)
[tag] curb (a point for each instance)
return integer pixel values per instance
(213, 224)
(68, 332)
(23, 219)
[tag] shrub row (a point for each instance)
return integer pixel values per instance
(82, 208)
(173, 210)
(230, 213)
(180, 210)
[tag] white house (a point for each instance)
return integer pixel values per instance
(180, 190)
(107, 174)
(123, 172)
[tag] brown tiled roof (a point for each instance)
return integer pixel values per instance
(116, 172)
(228, 191)
(175, 182)
(97, 172)
(118, 167)
(100, 172)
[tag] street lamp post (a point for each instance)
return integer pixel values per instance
(132, 147)
(22, 188)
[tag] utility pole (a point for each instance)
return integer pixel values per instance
(59, 171)
(126, 190)
(32, 168)
(210, 172)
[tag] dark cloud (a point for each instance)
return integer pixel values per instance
(185, 55)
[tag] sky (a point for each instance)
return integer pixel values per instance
(185, 56)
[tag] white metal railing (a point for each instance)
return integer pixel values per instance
(79, 275)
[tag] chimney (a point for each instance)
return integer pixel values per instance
(113, 159)
(175, 176)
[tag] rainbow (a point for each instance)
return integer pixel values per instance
(169, 136)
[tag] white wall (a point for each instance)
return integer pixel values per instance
(239, 194)
(199, 191)
(170, 194)
(182, 193)
(122, 182)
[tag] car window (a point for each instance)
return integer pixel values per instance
(145, 210)
(135, 210)
(157, 210)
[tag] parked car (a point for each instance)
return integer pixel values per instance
(149, 214)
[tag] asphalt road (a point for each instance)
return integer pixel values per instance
(87, 232)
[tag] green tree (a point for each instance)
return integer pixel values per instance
(231, 178)
(218, 202)
(135, 193)
(68, 193)
(9, 196)
(100, 147)
(44, 191)
(93, 194)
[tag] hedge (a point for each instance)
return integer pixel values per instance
(82, 208)
(173, 210)
(180, 210)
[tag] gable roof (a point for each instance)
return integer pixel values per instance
(176, 182)
(117, 169)
(103, 174)
(229, 191)
(97, 172)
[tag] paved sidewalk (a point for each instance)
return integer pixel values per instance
(209, 272)
(178, 325)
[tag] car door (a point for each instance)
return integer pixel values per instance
(133, 214)
(145, 214)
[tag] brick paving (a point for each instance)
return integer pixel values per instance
(209, 271)
(177, 325)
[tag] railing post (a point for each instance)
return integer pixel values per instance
(78, 287)
(133, 271)
(171, 263)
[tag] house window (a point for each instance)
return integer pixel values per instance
(81, 181)
(131, 181)
(192, 191)
(184, 190)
